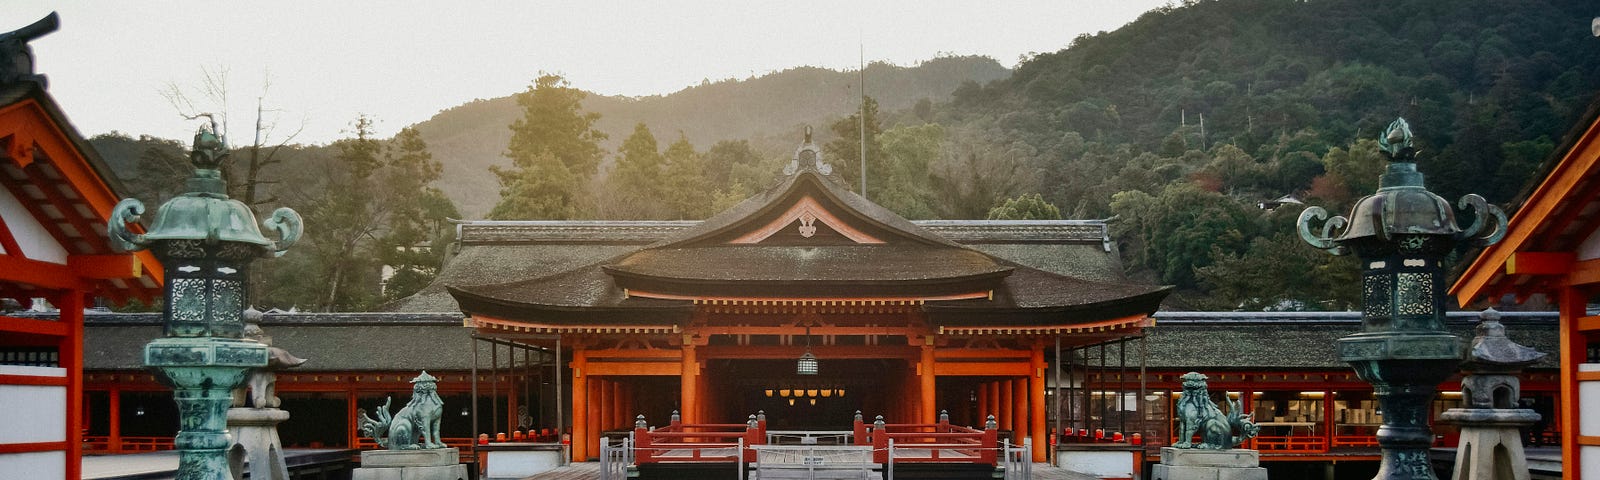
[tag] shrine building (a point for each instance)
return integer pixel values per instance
(806, 296)
(56, 194)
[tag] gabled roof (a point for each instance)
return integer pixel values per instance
(1555, 219)
(69, 191)
(806, 238)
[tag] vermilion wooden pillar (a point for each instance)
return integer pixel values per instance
(1007, 406)
(114, 436)
(1573, 352)
(618, 413)
(1041, 443)
(929, 410)
(983, 403)
(1019, 408)
(71, 358)
(996, 406)
(597, 412)
(689, 386)
(580, 406)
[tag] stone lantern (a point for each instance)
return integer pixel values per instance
(205, 242)
(1401, 234)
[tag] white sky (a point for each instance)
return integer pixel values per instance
(403, 61)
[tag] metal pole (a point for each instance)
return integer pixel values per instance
(561, 416)
(475, 431)
(863, 59)
(1103, 404)
(1143, 416)
(494, 389)
(1122, 386)
(1057, 400)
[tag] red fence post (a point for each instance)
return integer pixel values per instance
(991, 442)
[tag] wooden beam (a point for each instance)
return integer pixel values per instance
(1588, 324)
(635, 368)
(31, 326)
(982, 369)
(33, 380)
(1586, 272)
(47, 275)
(32, 447)
(1540, 263)
(105, 266)
(8, 242)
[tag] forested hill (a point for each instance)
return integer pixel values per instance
(471, 137)
(1476, 79)
(1182, 121)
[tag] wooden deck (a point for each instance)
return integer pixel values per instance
(591, 471)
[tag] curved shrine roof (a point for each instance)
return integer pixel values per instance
(806, 238)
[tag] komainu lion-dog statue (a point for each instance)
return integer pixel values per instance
(1198, 414)
(414, 427)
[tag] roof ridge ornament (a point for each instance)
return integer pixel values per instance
(16, 57)
(807, 157)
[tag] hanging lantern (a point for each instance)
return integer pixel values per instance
(808, 362)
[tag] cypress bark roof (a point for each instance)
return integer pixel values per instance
(806, 237)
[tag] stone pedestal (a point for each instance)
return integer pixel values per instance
(431, 464)
(255, 439)
(1491, 442)
(1196, 464)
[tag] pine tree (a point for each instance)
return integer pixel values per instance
(554, 151)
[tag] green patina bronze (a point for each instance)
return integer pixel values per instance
(1199, 415)
(415, 426)
(1401, 234)
(205, 242)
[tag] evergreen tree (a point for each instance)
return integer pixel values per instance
(844, 152)
(1026, 207)
(554, 151)
(688, 191)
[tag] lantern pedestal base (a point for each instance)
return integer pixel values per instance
(1197, 464)
(431, 464)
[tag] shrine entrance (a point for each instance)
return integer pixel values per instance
(827, 400)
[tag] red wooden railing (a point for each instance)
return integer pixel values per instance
(929, 442)
(698, 442)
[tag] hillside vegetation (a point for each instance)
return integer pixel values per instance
(1176, 126)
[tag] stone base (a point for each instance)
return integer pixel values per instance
(1191, 464)
(433, 464)
(444, 472)
(434, 457)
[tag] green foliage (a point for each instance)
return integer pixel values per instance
(844, 152)
(1026, 207)
(554, 138)
(688, 192)
(634, 187)
(905, 180)
(1180, 228)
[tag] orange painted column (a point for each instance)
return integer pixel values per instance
(1006, 407)
(983, 403)
(1041, 442)
(689, 385)
(1573, 306)
(1019, 408)
(352, 437)
(597, 410)
(580, 402)
(995, 405)
(70, 357)
(619, 412)
(930, 412)
(511, 405)
(114, 440)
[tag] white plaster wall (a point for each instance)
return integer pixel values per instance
(1590, 248)
(1588, 393)
(1589, 458)
(31, 465)
(1099, 464)
(32, 413)
(36, 242)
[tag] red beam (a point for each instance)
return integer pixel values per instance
(31, 326)
(33, 380)
(48, 275)
(32, 447)
(1539, 263)
(104, 266)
